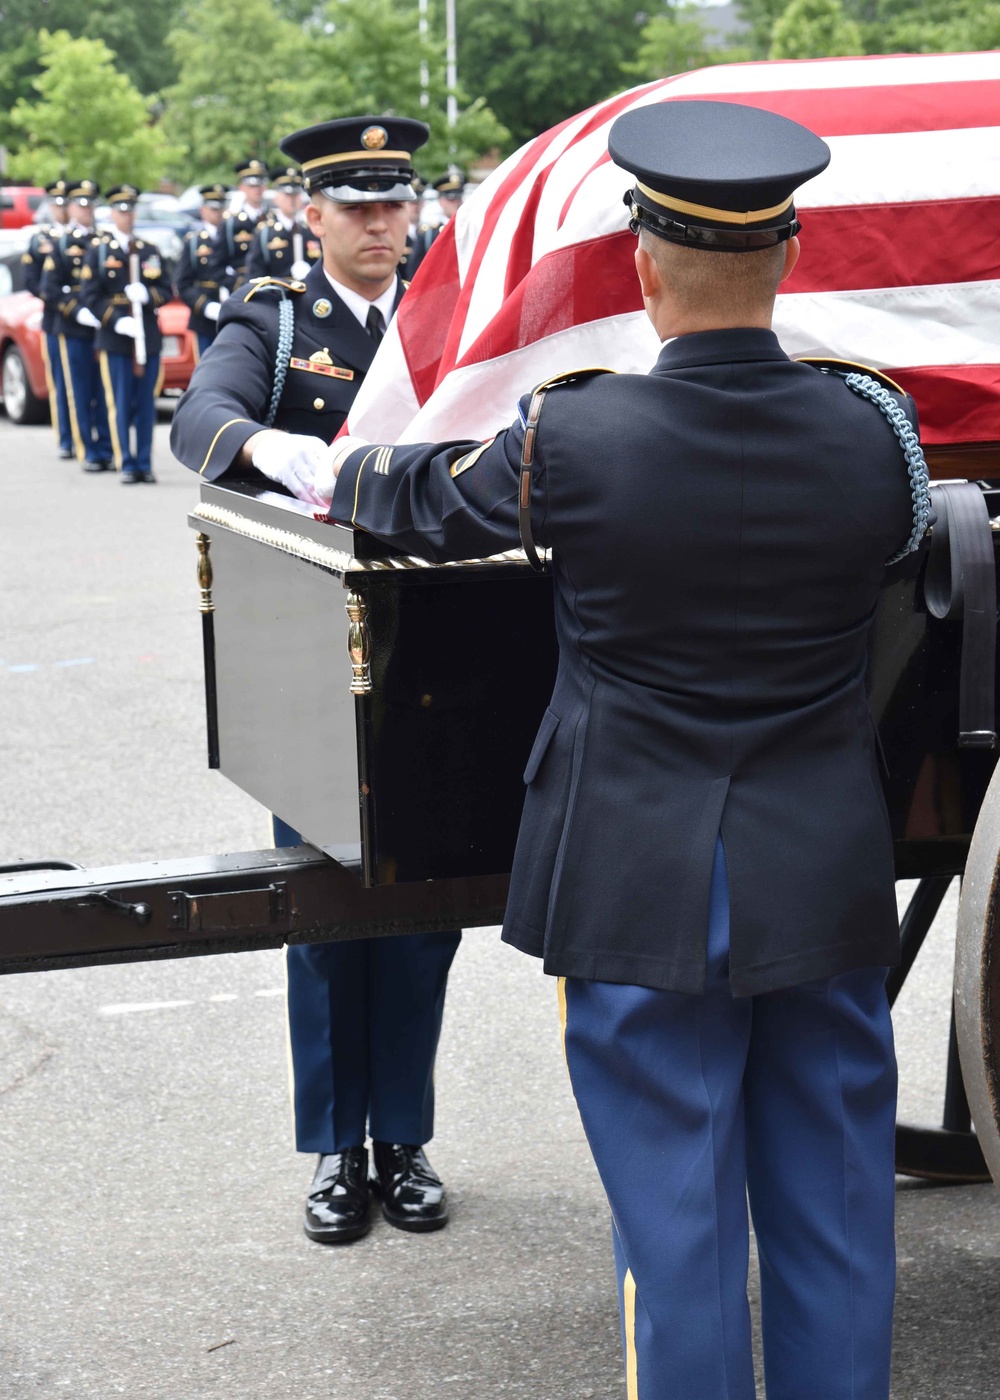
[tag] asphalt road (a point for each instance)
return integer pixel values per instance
(150, 1196)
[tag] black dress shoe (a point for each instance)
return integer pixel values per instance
(413, 1197)
(66, 454)
(97, 466)
(147, 476)
(130, 478)
(337, 1208)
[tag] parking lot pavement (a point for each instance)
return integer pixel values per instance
(150, 1239)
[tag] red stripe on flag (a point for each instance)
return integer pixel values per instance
(426, 312)
(898, 245)
(955, 403)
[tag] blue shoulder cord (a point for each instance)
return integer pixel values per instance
(286, 332)
(867, 388)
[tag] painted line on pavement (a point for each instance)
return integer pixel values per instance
(127, 1008)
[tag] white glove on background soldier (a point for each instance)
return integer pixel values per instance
(291, 458)
(126, 325)
(137, 293)
(211, 311)
(300, 269)
(85, 317)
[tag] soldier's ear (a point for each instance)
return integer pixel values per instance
(650, 279)
(314, 218)
(792, 250)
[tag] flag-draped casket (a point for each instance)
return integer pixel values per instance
(900, 264)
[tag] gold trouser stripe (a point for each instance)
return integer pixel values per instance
(195, 351)
(705, 211)
(356, 158)
(357, 482)
(158, 386)
(631, 1361)
(50, 384)
(81, 453)
(208, 455)
(561, 993)
(109, 399)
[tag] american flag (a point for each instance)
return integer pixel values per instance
(900, 265)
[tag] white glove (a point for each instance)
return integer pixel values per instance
(85, 317)
(127, 325)
(326, 476)
(293, 459)
(137, 293)
(211, 311)
(299, 270)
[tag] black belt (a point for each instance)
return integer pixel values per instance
(960, 582)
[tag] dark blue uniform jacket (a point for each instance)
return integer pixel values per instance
(718, 531)
(230, 391)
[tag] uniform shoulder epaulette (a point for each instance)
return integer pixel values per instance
(571, 376)
(265, 284)
(828, 365)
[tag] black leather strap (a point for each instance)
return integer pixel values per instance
(960, 582)
(524, 485)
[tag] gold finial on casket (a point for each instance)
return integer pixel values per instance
(359, 644)
(204, 573)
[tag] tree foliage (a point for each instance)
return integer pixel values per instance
(86, 120)
(676, 41)
(815, 29)
(883, 26)
(537, 64)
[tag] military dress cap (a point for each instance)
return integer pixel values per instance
(715, 175)
(122, 196)
(358, 160)
(82, 191)
(251, 172)
(56, 191)
(287, 178)
(214, 194)
(451, 182)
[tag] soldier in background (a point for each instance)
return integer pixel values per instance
(246, 212)
(62, 288)
(40, 247)
(200, 276)
(122, 287)
(283, 245)
(450, 188)
(413, 254)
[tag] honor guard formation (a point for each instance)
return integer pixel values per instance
(101, 338)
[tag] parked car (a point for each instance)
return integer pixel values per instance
(18, 204)
(22, 368)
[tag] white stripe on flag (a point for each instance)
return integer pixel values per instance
(907, 166)
(889, 71)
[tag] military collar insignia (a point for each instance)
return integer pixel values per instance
(322, 308)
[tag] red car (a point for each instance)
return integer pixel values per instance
(23, 389)
(18, 204)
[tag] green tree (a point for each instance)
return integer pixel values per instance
(537, 64)
(88, 119)
(676, 41)
(135, 31)
(240, 85)
(815, 29)
(369, 58)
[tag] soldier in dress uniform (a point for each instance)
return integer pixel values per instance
(450, 189)
(63, 274)
(200, 278)
(284, 245)
(364, 1017)
(704, 857)
(40, 246)
(122, 286)
(246, 213)
(413, 253)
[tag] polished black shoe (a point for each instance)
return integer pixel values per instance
(97, 467)
(413, 1197)
(147, 476)
(66, 454)
(130, 478)
(337, 1208)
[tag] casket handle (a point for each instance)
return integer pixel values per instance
(359, 644)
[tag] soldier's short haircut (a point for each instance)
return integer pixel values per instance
(736, 281)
